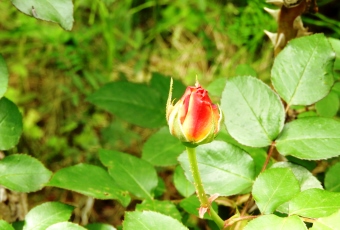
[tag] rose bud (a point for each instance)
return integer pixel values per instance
(194, 119)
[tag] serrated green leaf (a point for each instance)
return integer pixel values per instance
(259, 155)
(273, 188)
(148, 220)
(328, 106)
(225, 169)
(302, 73)
(44, 215)
(272, 222)
(162, 149)
(23, 173)
(327, 223)
(5, 226)
(311, 138)
(162, 206)
(332, 180)
(91, 181)
(60, 11)
(191, 205)
(183, 186)
(65, 226)
(10, 124)
(135, 103)
(131, 173)
(3, 76)
(253, 113)
(304, 177)
(314, 203)
(99, 226)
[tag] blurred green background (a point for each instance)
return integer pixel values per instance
(53, 70)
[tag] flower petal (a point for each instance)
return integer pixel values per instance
(199, 120)
(217, 117)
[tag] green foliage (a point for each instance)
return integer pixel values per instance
(131, 173)
(273, 222)
(294, 66)
(3, 76)
(183, 186)
(336, 46)
(47, 214)
(221, 164)
(332, 178)
(314, 203)
(311, 138)
(66, 226)
(152, 176)
(148, 220)
(164, 207)
(162, 149)
(60, 12)
(305, 178)
(254, 114)
(327, 223)
(127, 100)
(98, 226)
(23, 173)
(274, 187)
(329, 105)
(89, 180)
(10, 125)
(5, 226)
(190, 205)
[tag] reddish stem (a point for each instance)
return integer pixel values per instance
(246, 206)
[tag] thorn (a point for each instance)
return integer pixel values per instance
(272, 36)
(301, 30)
(202, 211)
(273, 13)
(297, 24)
(278, 3)
(301, 33)
(213, 197)
(281, 41)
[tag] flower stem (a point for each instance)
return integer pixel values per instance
(269, 155)
(199, 188)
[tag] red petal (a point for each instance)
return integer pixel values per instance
(185, 100)
(199, 119)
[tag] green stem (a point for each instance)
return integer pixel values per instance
(199, 188)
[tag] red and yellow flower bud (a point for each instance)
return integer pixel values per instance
(194, 119)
